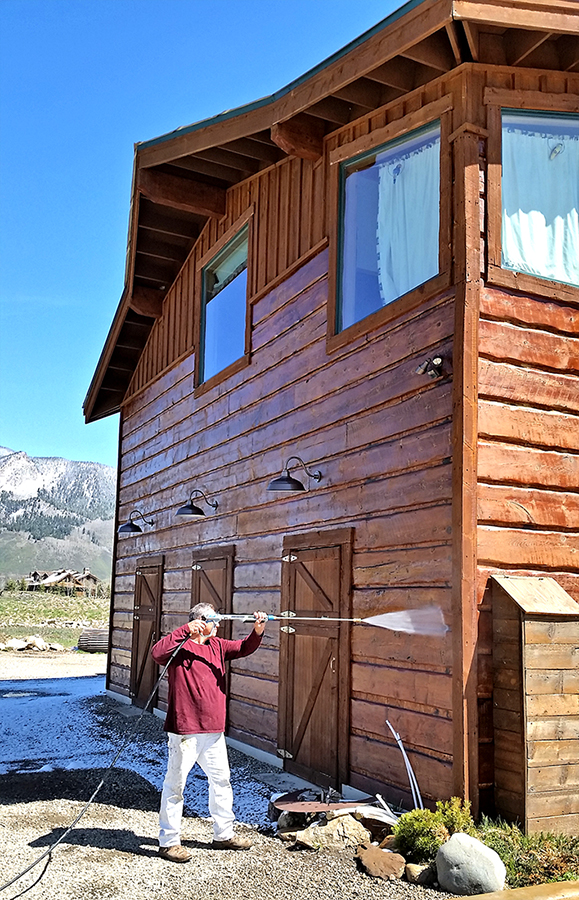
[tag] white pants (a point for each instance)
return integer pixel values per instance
(210, 751)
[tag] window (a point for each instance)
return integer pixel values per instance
(390, 223)
(540, 194)
(223, 308)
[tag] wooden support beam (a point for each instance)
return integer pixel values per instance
(397, 73)
(338, 112)
(568, 49)
(452, 33)
(301, 136)
(254, 149)
(362, 92)
(435, 51)
(519, 44)
(147, 302)
(471, 32)
(182, 193)
(213, 169)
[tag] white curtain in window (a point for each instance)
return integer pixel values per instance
(408, 218)
(540, 197)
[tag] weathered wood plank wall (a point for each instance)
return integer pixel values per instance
(381, 436)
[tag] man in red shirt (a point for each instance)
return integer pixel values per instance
(196, 723)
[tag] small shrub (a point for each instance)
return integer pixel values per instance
(531, 858)
(456, 815)
(419, 834)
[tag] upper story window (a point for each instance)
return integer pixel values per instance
(540, 194)
(223, 308)
(390, 223)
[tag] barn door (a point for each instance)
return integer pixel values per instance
(212, 582)
(313, 725)
(146, 626)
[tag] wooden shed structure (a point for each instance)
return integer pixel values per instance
(376, 270)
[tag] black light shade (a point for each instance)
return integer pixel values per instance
(191, 509)
(286, 482)
(130, 526)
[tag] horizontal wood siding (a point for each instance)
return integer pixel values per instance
(381, 435)
(528, 452)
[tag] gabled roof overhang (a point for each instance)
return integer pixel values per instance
(180, 179)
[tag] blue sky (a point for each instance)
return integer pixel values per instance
(81, 81)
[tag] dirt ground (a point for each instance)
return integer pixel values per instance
(111, 852)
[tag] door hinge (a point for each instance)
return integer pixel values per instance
(289, 558)
(196, 567)
(284, 753)
(287, 613)
(287, 629)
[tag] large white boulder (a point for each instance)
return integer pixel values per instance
(467, 866)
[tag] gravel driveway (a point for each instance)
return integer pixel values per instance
(112, 851)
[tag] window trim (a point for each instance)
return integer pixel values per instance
(245, 220)
(439, 109)
(497, 99)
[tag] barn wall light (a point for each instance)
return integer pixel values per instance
(191, 509)
(286, 482)
(130, 526)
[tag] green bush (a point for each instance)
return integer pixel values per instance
(419, 834)
(456, 815)
(531, 858)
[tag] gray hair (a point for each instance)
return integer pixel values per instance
(201, 610)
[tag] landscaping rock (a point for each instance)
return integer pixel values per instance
(36, 643)
(467, 866)
(381, 863)
(16, 644)
(337, 834)
(421, 873)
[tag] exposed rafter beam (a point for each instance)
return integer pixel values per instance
(452, 33)
(519, 44)
(471, 32)
(146, 302)
(204, 167)
(568, 48)
(182, 193)
(254, 149)
(301, 136)
(363, 92)
(338, 112)
(435, 51)
(397, 73)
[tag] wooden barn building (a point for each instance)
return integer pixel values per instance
(375, 270)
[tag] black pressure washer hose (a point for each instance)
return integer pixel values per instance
(126, 742)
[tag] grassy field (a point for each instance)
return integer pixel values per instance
(56, 618)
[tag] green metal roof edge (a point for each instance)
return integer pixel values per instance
(271, 98)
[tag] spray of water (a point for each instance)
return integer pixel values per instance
(428, 620)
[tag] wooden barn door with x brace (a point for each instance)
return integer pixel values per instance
(146, 626)
(314, 702)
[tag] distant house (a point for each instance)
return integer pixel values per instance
(74, 582)
(376, 270)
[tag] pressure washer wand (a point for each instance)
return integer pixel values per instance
(240, 617)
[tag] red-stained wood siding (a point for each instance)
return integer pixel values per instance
(528, 452)
(381, 434)
(288, 221)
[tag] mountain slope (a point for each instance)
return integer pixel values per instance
(55, 513)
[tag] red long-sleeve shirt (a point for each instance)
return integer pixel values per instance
(197, 679)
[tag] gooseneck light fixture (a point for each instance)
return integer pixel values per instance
(130, 526)
(286, 482)
(191, 509)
